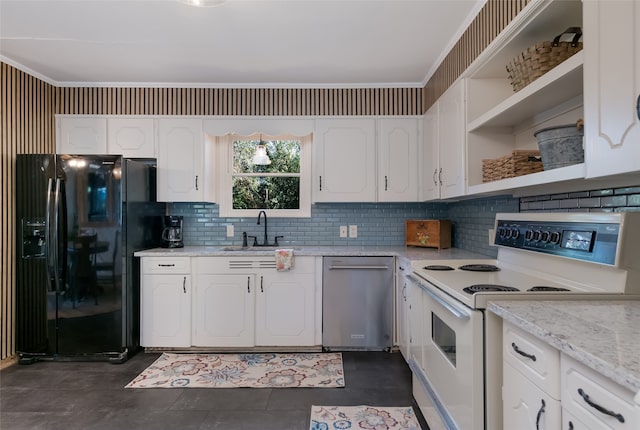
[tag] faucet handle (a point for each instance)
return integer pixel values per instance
(276, 240)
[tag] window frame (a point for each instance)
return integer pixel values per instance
(226, 176)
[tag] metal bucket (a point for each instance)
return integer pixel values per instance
(560, 146)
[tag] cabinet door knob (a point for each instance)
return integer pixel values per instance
(261, 282)
(184, 285)
(386, 183)
(248, 284)
(638, 107)
(196, 182)
(320, 182)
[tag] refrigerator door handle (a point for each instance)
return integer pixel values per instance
(49, 245)
(55, 242)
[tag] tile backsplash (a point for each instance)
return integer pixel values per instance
(382, 224)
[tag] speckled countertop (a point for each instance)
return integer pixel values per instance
(405, 252)
(603, 335)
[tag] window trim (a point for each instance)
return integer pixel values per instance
(225, 160)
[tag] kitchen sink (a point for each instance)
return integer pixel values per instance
(255, 248)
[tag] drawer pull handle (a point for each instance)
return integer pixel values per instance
(184, 285)
(570, 425)
(540, 412)
(599, 408)
(522, 353)
(166, 265)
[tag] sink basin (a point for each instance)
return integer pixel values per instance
(255, 248)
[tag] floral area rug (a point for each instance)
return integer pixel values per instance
(362, 417)
(242, 370)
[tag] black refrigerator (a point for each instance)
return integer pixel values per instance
(80, 218)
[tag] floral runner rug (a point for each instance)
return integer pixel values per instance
(363, 417)
(242, 370)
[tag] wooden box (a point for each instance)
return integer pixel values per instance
(428, 233)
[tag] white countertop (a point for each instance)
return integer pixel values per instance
(406, 252)
(603, 335)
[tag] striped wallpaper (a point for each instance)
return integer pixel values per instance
(28, 106)
(240, 101)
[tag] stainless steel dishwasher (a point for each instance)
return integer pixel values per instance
(357, 303)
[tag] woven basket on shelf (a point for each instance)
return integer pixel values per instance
(538, 59)
(518, 163)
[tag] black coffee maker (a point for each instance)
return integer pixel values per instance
(172, 232)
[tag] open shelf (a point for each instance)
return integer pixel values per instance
(560, 84)
(562, 174)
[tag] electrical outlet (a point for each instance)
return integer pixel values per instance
(343, 231)
(353, 231)
(230, 231)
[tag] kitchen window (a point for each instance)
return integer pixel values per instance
(281, 188)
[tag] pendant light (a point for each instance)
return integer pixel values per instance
(260, 157)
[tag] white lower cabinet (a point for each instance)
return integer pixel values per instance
(165, 297)
(244, 301)
(525, 405)
(530, 390)
(223, 310)
(595, 401)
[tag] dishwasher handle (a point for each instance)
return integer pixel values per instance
(332, 267)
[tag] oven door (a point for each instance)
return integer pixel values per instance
(454, 358)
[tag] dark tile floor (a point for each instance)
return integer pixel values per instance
(68, 396)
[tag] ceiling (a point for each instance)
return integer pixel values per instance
(240, 43)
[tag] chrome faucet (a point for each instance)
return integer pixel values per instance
(266, 238)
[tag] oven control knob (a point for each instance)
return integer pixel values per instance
(502, 231)
(515, 233)
(509, 233)
(555, 238)
(536, 235)
(528, 235)
(545, 237)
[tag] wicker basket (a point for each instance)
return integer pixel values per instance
(538, 59)
(518, 163)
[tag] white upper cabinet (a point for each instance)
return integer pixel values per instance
(612, 87)
(345, 160)
(443, 147)
(499, 120)
(451, 141)
(398, 160)
(180, 160)
(81, 135)
(131, 137)
(429, 156)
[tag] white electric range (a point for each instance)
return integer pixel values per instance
(549, 256)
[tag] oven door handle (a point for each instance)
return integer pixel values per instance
(456, 310)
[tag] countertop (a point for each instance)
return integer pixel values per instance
(405, 252)
(603, 335)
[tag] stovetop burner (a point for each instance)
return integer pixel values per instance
(479, 267)
(545, 288)
(438, 267)
(481, 288)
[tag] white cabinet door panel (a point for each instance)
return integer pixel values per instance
(398, 160)
(345, 160)
(131, 137)
(165, 311)
(82, 135)
(612, 86)
(224, 310)
(285, 310)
